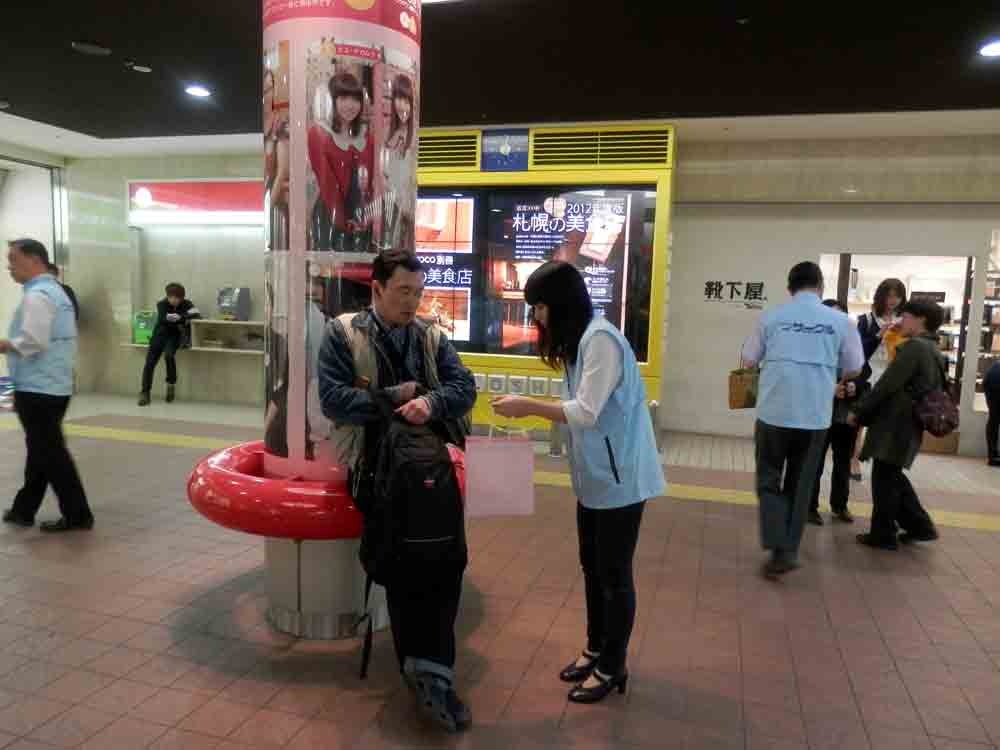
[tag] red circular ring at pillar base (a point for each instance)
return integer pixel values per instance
(230, 488)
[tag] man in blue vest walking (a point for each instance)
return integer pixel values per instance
(41, 349)
(799, 346)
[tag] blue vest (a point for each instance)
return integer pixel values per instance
(802, 343)
(615, 463)
(49, 372)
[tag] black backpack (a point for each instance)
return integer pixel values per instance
(414, 518)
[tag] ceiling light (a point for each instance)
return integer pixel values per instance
(131, 65)
(850, 190)
(90, 48)
(990, 49)
(4, 104)
(198, 91)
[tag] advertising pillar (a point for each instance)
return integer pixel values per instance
(340, 104)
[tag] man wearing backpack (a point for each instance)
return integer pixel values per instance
(385, 378)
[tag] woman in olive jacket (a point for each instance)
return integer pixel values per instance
(894, 435)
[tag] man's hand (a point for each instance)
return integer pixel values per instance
(5, 346)
(512, 407)
(841, 391)
(407, 391)
(417, 411)
(173, 317)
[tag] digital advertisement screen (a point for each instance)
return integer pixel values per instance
(480, 245)
(589, 228)
(445, 225)
(448, 292)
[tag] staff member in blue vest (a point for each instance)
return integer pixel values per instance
(800, 346)
(613, 456)
(41, 349)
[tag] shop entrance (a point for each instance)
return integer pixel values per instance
(947, 280)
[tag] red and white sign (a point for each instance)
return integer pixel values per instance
(398, 15)
(196, 202)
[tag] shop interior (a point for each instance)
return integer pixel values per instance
(971, 346)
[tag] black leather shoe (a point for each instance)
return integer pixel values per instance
(10, 517)
(815, 518)
(995, 461)
(63, 525)
(908, 537)
(604, 687)
(144, 398)
(576, 673)
(844, 516)
(869, 541)
(171, 394)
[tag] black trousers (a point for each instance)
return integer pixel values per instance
(787, 459)
(895, 502)
(993, 422)
(841, 439)
(49, 461)
(607, 547)
(422, 613)
(161, 346)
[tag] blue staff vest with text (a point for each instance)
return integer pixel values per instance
(49, 372)
(615, 463)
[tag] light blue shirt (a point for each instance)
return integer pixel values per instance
(800, 346)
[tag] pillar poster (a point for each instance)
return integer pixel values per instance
(341, 93)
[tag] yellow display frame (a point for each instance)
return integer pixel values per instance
(512, 364)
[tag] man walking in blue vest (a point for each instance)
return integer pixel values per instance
(799, 346)
(41, 349)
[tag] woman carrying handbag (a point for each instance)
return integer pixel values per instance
(614, 461)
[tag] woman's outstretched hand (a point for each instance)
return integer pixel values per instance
(512, 407)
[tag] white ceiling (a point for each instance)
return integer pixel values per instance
(67, 143)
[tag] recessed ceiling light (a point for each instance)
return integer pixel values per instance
(990, 49)
(90, 48)
(132, 65)
(850, 190)
(198, 91)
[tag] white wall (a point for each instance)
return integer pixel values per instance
(744, 242)
(25, 211)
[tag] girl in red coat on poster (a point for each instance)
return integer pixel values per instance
(342, 157)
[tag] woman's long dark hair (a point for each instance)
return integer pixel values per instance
(880, 305)
(560, 287)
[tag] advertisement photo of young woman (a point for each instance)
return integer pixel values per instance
(399, 165)
(276, 146)
(341, 157)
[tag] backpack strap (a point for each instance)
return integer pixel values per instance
(366, 650)
(432, 344)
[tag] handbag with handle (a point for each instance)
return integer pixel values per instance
(936, 411)
(743, 384)
(499, 474)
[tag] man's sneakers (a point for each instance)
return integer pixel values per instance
(778, 566)
(439, 702)
(909, 537)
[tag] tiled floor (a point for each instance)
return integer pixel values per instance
(149, 632)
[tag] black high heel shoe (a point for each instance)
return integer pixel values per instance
(576, 673)
(600, 691)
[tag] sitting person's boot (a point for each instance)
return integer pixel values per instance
(144, 398)
(170, 393)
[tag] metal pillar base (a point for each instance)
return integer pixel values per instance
(317, 589)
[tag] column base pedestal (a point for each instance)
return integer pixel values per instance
(317, 589)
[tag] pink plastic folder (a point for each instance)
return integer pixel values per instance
(499, 475)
